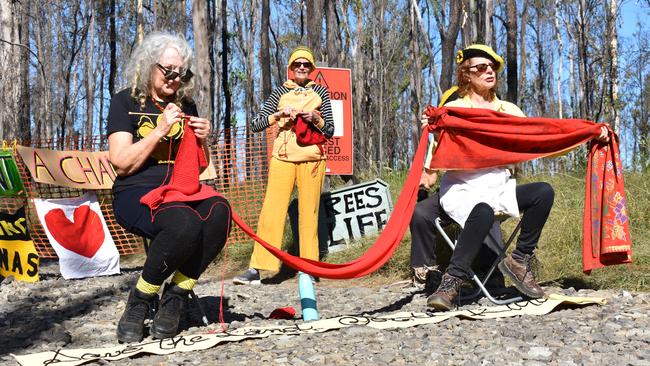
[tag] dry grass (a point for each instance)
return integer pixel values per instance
(560, 247)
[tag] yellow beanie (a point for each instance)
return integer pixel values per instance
(301, 52)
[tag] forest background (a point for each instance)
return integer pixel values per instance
(61, 60)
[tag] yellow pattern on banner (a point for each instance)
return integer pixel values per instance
(18, 258)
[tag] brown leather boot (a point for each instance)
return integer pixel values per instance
(521, 275)
(447, 293)
(427, 277)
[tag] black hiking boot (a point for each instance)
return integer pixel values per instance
(138, 308)
(168, 316)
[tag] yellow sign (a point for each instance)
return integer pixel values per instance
(18, 258)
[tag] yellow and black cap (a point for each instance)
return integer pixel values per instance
(480, 50)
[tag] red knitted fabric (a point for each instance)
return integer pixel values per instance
(307, 134)
(184, 185)
(384, 246)
(472, 138)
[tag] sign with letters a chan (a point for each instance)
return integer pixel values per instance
(77, 169)
(74, 169)
(355, 211)
(18, 257)
(339, 148)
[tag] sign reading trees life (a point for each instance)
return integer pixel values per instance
(356, 211)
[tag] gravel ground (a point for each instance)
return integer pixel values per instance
(56, 313)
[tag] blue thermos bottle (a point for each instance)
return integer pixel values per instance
(307, 297)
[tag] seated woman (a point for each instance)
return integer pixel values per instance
(472, 197)
(145, 127)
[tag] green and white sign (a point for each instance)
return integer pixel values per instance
(10, 182)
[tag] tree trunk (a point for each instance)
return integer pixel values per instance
(140, 20)
(224, 64)
(201, 46)
(511, 53)
(540, 82)
(181, 23)
(265, 54)
(90, 75)
(489, 24)
(9, 55)
(226, 90)
(358, 78)
(416, 79)
(24, 108)
(556, 18)
(613, 73)
(216, 100)
(378, 29)
(112, 44)
(315, 26)
(332, 31)
(471, 23)
(448, 36)
(523, 55)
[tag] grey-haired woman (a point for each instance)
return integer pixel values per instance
(145, 127)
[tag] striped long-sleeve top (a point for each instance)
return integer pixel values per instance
(312, 97)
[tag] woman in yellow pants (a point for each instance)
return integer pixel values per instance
(293, 163)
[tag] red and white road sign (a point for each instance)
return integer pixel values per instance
(339, 148)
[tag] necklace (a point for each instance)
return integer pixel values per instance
(155, 102)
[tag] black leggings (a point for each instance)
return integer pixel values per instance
(189, 235)
(534, 200)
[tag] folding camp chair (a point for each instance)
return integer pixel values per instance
(195, 299)
(493, 244)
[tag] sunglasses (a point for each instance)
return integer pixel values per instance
(482, 67)
(297, 64)
(170, 74)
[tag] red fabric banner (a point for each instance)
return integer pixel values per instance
(472, 138)
(185, 186)
(469, 139)
(384, 246)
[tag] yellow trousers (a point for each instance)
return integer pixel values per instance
(283, 176)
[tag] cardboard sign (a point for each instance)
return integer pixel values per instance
(10, 182)
(356, 211)
(78, 233)
(76, 169)
(18, 257)
(346, 214)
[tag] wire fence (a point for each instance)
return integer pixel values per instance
(240, 159)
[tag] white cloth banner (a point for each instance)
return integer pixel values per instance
(196, 342)
(79, 235)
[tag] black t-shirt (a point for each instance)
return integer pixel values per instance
(126, 115)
